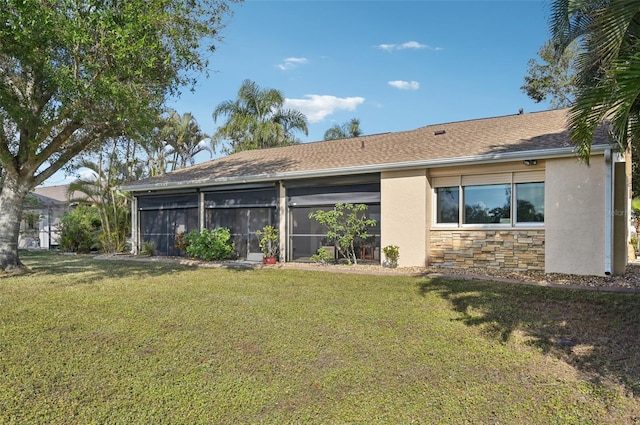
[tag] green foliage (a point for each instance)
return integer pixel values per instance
(608, 66)
(392, 254)
(635, 204)
(79, 230)
(75, 73)
(210, 245)
(148, 249)
(100, 189)
(269, 237)
(554, 78)
(344, 131)
(322, 256)
(346, 224)
(124, 342)
(257, 120)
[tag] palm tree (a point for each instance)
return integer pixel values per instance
(185, 137)
(257, 119)
(344, 131)
(608, 67)
(100, 190)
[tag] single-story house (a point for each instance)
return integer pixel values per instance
(43, 208)
(505, 192)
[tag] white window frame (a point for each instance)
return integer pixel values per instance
(514, 207)
(460, 181)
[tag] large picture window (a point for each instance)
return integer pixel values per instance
(487, 200)
(487, 204)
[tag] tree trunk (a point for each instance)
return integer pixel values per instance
(12, 196)
(352, 252)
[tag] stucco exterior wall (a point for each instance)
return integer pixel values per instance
(575, 216)
(403, 210)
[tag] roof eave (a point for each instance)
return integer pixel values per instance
(371, 168)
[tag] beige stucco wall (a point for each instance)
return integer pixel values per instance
(403, 210)
(575, 216)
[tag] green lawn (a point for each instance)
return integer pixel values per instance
(86, 341)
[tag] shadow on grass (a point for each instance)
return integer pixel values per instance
(597, 333)
(90, 270)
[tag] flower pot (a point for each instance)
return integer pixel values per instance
(269, 260)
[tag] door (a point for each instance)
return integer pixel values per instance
(257, 219)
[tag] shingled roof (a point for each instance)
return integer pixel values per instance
(482, 140)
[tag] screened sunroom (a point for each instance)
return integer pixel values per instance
(243, 212)
(164, 216)
(306, 235)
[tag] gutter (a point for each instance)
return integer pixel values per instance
(373, 168)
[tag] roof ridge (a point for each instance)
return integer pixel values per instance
(497, 117)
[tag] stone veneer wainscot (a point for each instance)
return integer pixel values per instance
(504, 249)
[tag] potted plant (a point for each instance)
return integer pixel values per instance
(269, 236)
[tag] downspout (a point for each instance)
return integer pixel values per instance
(608, 208)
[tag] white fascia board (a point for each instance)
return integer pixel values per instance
(364, 169)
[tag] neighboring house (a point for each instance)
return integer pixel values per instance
(41, 219)
(505, 192)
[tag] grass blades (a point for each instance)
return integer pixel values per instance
(87, 341)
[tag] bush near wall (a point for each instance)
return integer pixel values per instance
(210, 245)
(80, 230)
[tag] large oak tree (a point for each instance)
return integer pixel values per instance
(76, 72)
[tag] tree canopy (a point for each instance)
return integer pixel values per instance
(553, 77)
(257, 119)
(74, 73)
(349, 129)
(607, 67)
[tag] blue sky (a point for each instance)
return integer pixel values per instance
(394, 65)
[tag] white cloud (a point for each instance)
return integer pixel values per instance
(407, 45)
(316, 107)
(412, 45)
(290, 63)
(387, 47)
(405, 85)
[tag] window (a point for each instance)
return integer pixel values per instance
(447, 204)
(505, 199)
(487, 204)
(530, 202)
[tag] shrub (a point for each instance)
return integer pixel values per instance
(210, 245)
(322, 256)
(346, 224)
(79, 230)
(268, 240)
(148, 249)
(391, 253)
